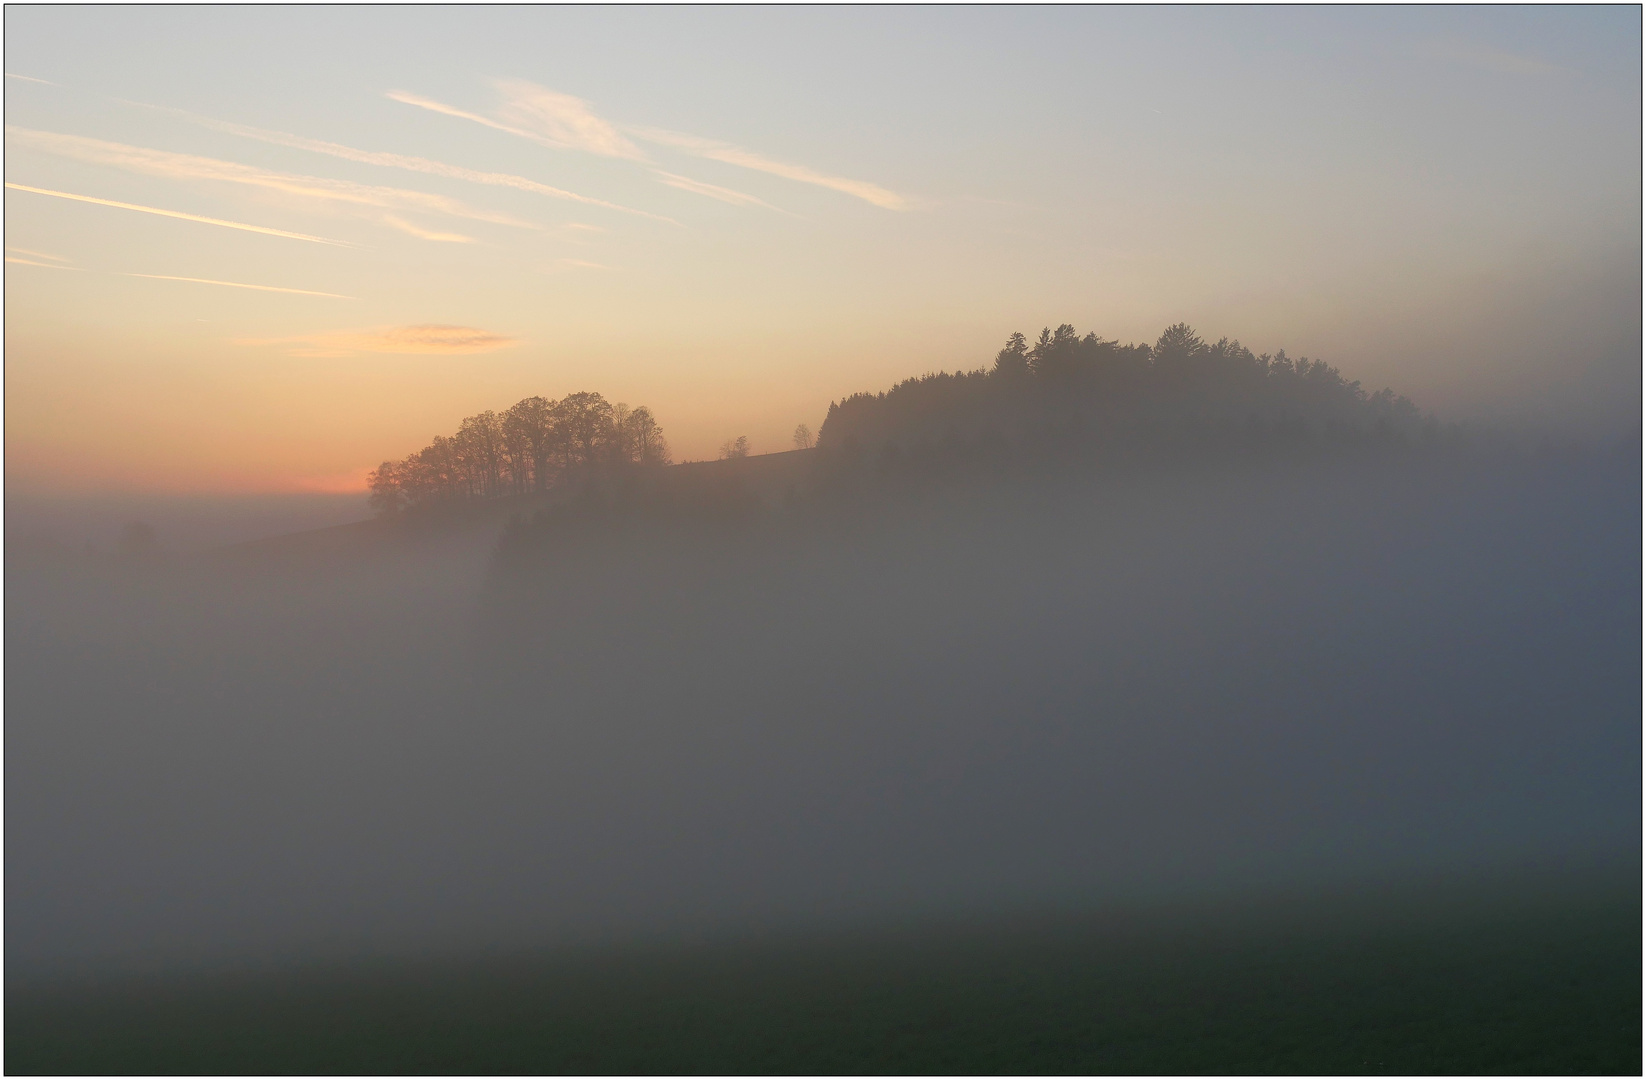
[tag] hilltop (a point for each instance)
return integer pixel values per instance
(1066, 397)
(1069, 393)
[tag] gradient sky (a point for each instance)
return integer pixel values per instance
(379, 220)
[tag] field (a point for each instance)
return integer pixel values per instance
(1500, 977)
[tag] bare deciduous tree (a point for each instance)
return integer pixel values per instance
(643, 438)
(529, 447)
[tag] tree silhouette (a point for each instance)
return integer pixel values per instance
(1064, 391)
(1089, 389)
(641, 437)
(1013, 360)
(586, 427)
(530, 447)
(528, 433)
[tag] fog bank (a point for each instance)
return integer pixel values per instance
(706, 706)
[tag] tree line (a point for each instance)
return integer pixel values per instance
(1064, 384)
(1066, 381)
(529, 447)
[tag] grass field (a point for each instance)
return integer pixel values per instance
(1498, 981)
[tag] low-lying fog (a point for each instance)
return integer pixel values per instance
(652, 715)
(40, 522)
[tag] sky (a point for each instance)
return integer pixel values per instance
(263, 249)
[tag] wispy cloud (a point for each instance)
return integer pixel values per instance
(31, 262)
(558, 121)
(38, 254)
(406, 98)
(425, 234)
(729, 154)
(561, 120)
(1484, 57)
(400, 340)
(180, 215)
(713, 191)
(29, 78)
(243, 285)
(165, 163)
(411, 163)
(564, 122)
(59, 265)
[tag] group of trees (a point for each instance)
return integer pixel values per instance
(1064, 385)
(1066, 381)
(528, 447)
(740, 447)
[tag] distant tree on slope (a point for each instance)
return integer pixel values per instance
(531, 446)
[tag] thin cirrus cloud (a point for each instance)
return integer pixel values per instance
(451, 110)
(14, 256)
(37, 254)
(17, 261)
(377, 202)
(425, 234)
(728, 154)
(557, 121)
(179, 215)
(243, 285)
(579, 264)
(435, 339)
(409, 162)
(563, 122)
(567, 122)
(713, 191)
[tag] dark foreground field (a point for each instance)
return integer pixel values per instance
(1506, 976)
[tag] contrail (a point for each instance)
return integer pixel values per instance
(172, 277)
(31, 262)
(179, 214)
(242, 285)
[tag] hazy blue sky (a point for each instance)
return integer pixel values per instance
(735, 215)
